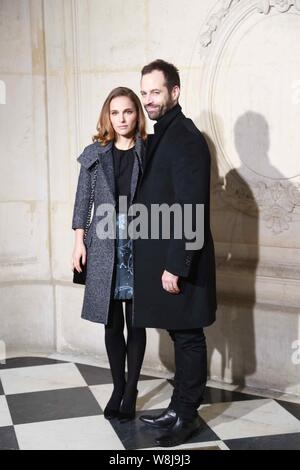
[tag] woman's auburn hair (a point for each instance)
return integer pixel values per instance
(104, 127)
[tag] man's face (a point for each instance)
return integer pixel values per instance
(155, 95)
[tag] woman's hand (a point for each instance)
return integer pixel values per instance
(79, 251)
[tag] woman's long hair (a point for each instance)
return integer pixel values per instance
(105, 129)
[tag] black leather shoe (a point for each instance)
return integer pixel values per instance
(166, 419)
(179, 433)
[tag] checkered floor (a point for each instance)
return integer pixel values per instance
(47, 403)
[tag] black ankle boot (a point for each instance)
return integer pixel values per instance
(111, 413)
(112, 408)
(127, 409)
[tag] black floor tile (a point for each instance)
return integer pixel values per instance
(52, 404)
(99, 375)
(94, 375)
(15, 362)
(216, 395)
(137, 435)
(276, 442)
(8, 439)
(293, 408)
(149, 377)
(74, 402)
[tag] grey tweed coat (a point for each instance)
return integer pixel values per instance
(100, 252)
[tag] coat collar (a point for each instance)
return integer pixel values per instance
(159, 129)
(97, 151)
(103, 153)
(164, 121)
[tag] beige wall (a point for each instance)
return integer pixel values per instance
(240, 71)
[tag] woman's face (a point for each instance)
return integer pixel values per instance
(123, 116)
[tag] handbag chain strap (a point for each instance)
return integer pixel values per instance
(91, 201)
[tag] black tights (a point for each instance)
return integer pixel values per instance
(117, 351)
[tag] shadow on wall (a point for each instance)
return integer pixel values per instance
(235, 216)
(235, 222)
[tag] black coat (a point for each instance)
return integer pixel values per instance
(177, 170)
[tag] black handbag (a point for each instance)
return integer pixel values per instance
(80, 278)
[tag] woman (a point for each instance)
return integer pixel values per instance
(118, 152)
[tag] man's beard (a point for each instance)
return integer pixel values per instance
(160, 111)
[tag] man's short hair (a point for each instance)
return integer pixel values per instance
(169, 70)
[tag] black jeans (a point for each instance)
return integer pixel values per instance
(190, 371)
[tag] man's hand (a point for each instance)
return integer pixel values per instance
(170, 282)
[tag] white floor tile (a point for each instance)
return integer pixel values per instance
(153, 394)
(222, 386)
(89, 433)
(40, 378)
(5, 418)
(248, 418)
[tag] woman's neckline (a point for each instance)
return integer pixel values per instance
(123, 150)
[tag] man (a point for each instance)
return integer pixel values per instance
(174, 287)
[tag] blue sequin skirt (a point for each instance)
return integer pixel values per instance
(123, 288)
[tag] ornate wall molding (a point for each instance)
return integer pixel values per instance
(263, 6)
(215, 20)
(235, 194)
(275, 203)
(282, 6)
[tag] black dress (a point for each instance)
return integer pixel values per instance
(123, 280)
(123, 165)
